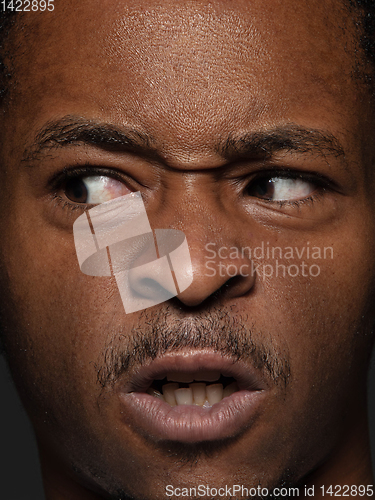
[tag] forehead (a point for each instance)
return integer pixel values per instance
(188, 71)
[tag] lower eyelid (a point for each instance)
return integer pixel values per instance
(61, 202)
(310, 200)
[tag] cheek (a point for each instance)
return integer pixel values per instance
(323, 313)
(55, 319)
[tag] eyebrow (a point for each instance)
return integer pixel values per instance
(289, 137)
(73, 131)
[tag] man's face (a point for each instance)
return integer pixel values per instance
(246, 129)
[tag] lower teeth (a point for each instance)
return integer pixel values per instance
(198, 393)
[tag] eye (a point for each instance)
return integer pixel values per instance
(281, 188)
(94, 189)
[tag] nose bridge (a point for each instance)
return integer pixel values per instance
(200, 215)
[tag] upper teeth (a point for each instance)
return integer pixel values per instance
(199, 393)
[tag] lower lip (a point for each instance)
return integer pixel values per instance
(189, 423)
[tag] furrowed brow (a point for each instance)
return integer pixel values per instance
(70, 131)
(288, 138)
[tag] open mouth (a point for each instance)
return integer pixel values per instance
(191, 397)
(204, 388)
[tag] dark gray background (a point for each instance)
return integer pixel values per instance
(19, 468)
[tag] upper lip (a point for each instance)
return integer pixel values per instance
(247, 377)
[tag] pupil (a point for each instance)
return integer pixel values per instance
(76, 190)
(263, 188)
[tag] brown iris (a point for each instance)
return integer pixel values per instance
(262, 188)
(75, 190)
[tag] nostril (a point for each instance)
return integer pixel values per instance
(148, 287)
(235, 280)
(218, 282)
(153, 281)
(238, 286)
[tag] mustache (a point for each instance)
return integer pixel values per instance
(166, 331)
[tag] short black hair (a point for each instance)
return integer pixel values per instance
(363, 12)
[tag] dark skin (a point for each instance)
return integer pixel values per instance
(189, 77)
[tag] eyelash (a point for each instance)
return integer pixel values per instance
(60, 202)
(296, 203)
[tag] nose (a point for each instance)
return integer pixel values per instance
(151, 267)
(192, 272)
